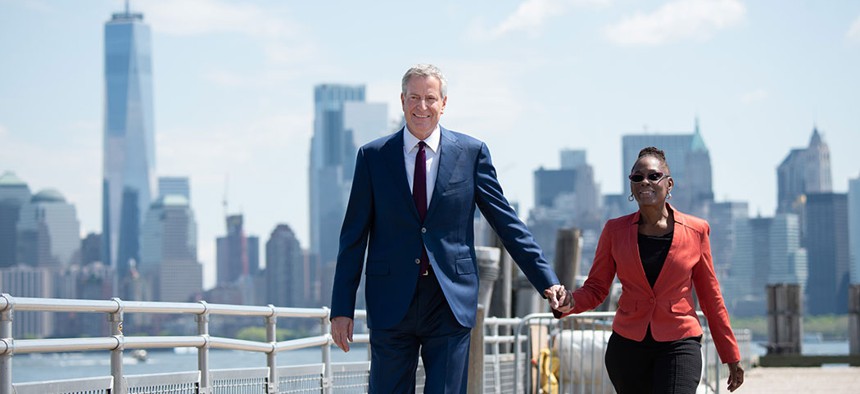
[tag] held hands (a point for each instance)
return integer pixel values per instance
(559, 298)
(341, 332)
(736, 376)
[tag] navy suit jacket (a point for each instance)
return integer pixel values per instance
(381, 220)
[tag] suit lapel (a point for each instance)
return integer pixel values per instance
(394, 160)
(449, 155)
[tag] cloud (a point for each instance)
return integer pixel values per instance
(196, 17)
(530, 17)
(754, 96)
(677, 20)
(854, 31)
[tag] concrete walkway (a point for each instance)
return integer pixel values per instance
(822, 380)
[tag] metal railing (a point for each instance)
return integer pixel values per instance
(200, 381)
(535, 354)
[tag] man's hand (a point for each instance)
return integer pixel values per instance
(341, 332)
(736, 376)
(556, 295)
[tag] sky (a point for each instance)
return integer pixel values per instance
(233, 90)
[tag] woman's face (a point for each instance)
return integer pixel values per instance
(650, 181)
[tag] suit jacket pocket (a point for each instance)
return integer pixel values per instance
(377, 268)
(465, 266)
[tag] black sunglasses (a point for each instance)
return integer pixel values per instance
(653, 177)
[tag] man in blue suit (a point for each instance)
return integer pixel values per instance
(410, 209)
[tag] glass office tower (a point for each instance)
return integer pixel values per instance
(129, 154)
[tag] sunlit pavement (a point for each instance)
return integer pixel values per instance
(829, 379)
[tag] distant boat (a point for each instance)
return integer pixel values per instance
(185, 350)
(140, 355)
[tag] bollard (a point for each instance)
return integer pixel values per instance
(854, 319)
(488, 272)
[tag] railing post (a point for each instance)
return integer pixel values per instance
(271, 358)
(203, 352)
(6, 337)
(326, 353)
(115, 321)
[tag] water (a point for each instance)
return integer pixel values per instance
(816, 348)
(59, 366)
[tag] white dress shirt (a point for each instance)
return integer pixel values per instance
(431, 153)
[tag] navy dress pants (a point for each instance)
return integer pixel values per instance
(429, 329)
(654, 367)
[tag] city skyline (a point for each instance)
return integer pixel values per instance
(233, 87)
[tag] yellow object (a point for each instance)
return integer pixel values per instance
(548, 363)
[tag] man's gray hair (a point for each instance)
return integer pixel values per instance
(425, 70)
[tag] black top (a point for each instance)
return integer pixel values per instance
(652, 252)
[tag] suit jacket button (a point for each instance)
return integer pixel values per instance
(417, 261)
(423, 230)
(651, 300)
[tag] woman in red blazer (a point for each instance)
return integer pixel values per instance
(659, 255)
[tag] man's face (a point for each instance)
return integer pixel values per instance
(423, 105)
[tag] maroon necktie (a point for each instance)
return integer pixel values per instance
(419, 195)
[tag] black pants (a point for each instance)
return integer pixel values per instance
(654, 367)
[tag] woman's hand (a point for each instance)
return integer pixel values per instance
(736, 376)
(567, 305)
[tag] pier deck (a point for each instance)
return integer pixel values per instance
(830, 380)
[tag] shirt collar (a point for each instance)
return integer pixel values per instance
(409, 140)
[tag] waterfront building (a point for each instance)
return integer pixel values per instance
(287, 274)
(26, 281)
(169, 250)
(723, 218)
(91, 249)
(129, 143)
(745, 289)
(854, 228)
(48, 231)
(826, 216)
(788, 260)
(567, 197)
(176, 185)
(689, 163)
(14, 193)
(342, 121)
(238, 259)
(803, 171)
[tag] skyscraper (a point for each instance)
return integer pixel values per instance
(803, 171)
(689, 163)
(567, 197)
(177, 185)
(788, 260)
(169, 233)
(854, 228)
(49, 231)
(826, 216)
(237, 253)
(745, 290)
(287, 275)
(340, 116)
(129, 149)
(723, 217)
(14, 193)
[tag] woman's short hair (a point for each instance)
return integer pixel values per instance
(425, 70)
(653, 152)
